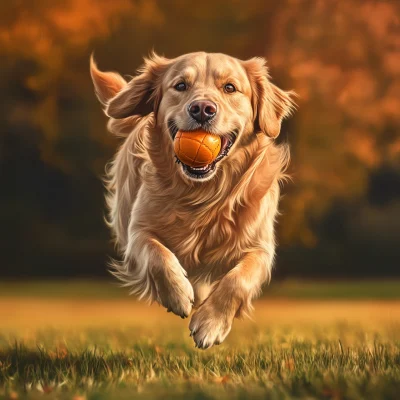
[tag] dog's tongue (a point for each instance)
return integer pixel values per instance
(224, 143)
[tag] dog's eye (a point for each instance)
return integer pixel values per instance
(180, 87)
(229, 88)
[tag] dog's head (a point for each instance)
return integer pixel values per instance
(212, 92)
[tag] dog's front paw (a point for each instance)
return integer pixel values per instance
(175, 293)
(209, 326)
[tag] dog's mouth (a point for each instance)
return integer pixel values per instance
(202, 172)
(227, 142)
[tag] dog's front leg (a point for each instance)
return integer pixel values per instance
(232, 296)
(153, 270)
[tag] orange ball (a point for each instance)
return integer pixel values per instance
(197, 148)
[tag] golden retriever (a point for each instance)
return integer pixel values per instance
(199, 238)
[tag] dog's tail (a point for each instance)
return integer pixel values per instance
(106, 84)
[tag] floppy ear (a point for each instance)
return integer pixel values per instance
(106, 84)
(142, 94)
(270, 104)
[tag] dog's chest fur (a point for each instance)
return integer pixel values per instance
(208, 239)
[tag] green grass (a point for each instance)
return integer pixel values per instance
(267, 369)
(275, 365)
(72, 347)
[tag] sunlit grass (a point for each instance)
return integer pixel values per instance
(106, 289)
(93, 348)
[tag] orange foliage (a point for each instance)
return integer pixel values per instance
(343, 58)
(46, 26)
(51, 33)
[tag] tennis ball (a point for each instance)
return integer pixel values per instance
(197, 148)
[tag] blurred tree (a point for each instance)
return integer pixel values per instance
(343, 58)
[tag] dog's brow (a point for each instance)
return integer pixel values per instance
(188, 75)
(227, 76)
(222, 74)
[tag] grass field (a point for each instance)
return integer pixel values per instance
(82, 340)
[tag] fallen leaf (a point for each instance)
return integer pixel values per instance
(13, 395)
(222, 379)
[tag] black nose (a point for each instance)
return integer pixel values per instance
(202, 110)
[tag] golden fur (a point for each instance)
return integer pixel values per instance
(210, 243)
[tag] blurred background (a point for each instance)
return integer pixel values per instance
(340, 216)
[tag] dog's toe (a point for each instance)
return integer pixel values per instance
(177, 296)
(208, 328)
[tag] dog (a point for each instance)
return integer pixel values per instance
(189, 239)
